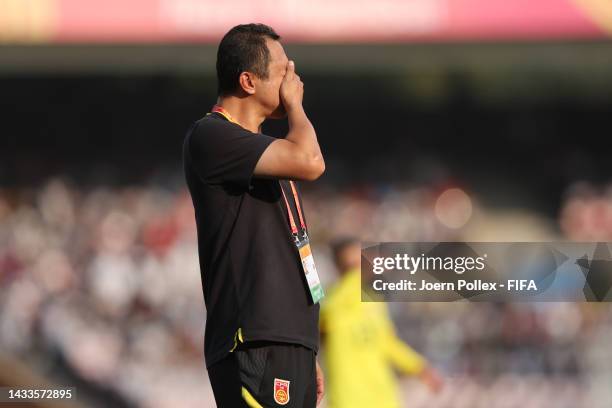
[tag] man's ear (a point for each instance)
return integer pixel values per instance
(247, 82)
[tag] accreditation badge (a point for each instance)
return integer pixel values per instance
(303, 245)
(310, 270)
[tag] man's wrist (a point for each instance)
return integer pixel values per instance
(296, 109)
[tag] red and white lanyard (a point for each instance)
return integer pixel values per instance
(294, 229)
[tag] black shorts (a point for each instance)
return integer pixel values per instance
(265, 374)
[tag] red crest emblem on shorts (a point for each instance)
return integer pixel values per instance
(281, 391)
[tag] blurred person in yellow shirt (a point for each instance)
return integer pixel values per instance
(361, 347)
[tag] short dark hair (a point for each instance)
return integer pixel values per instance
(243, 48)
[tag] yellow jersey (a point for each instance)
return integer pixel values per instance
(361, 349)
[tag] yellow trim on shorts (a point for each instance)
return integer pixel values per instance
(237, 338)
(249, 399)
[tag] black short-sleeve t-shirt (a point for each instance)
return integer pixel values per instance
(251, 270)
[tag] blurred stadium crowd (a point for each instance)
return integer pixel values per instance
(102, 285)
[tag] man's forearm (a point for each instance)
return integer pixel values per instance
(302, 133)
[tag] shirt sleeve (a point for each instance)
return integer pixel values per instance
(402, 356)
(225, 153)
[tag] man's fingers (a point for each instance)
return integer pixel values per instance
(290, 70)
(320, 384)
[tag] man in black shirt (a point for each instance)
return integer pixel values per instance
(260, 286)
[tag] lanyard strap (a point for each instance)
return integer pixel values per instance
(221, 110)
(294, 229)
